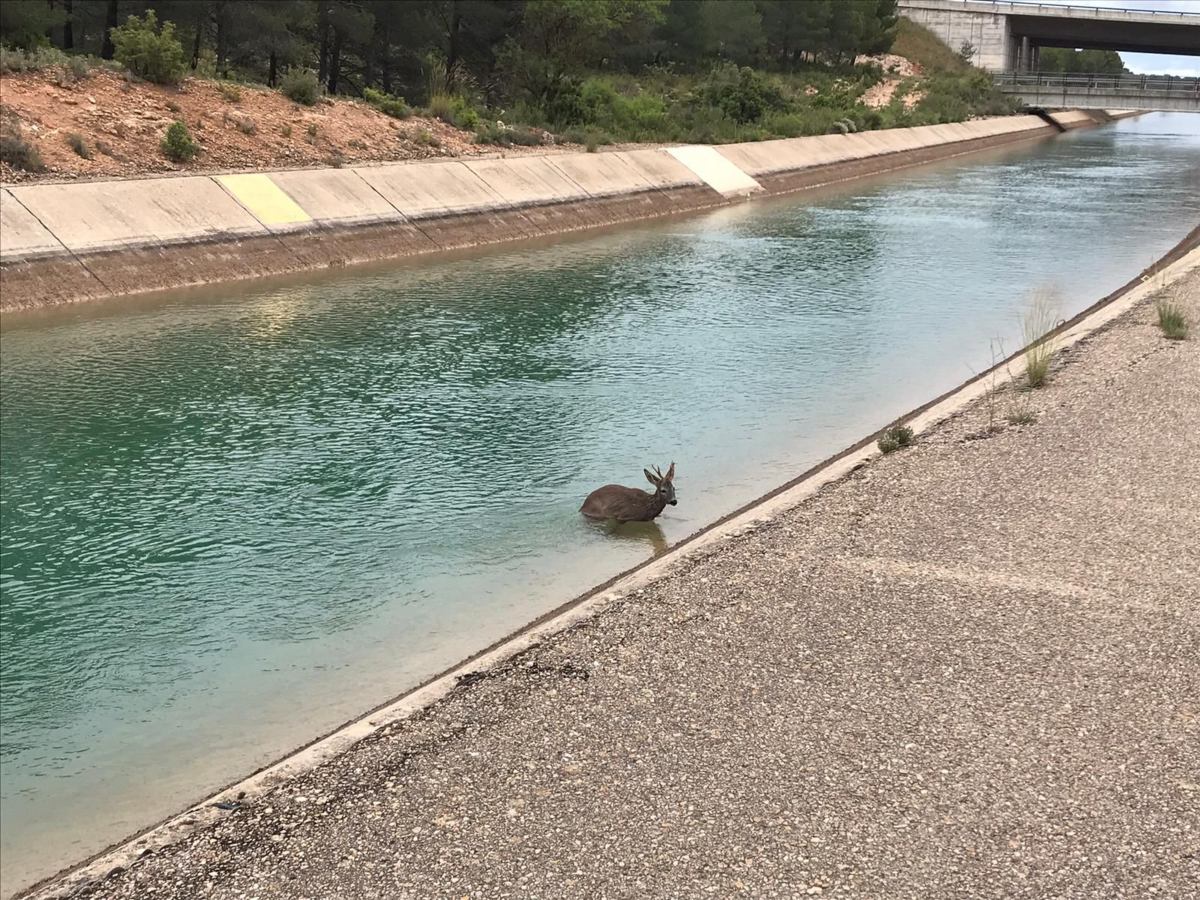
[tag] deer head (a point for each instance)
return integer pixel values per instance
(664, 484)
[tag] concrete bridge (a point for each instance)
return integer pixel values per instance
(1052, 90)
(1006, 34)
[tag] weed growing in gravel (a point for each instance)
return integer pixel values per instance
(79, 145)
(896, 438)
(286, 131)
(312, 132)
(1171, 317)
(1040, 317)
(230, 91)
(1021, 416)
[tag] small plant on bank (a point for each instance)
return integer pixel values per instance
(312, 131)
(178, 145)
(896, 438)
(504, 136)
(1038, 321)
(386, 103)
(230, 91)
(19, 153)
(1021, 416)
(286, 131)
(76, 142)
(440, 106)
(1171, 317)
(301, 86)
(149, 51)
(427, 138)
(79, 67)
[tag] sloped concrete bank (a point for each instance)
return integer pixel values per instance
(65, 243)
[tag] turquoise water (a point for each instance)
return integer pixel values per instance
(234, 519)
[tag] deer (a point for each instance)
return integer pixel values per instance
(626, 504)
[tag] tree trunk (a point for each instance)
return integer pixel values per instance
(110, 22)
(452, 47)
(323, 33)
(199, 34)
(69, 25)
(272, 68)
(222, 40)
(335, 62)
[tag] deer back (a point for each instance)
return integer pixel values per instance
(626, 504)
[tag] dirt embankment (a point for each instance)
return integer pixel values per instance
(119, 124)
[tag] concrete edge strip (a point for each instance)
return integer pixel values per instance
(334, 744)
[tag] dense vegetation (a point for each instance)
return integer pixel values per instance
(1058, 59)
(596, 70)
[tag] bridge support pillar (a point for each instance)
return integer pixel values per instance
(1023, 55)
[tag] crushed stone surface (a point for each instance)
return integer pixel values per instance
(970, 669)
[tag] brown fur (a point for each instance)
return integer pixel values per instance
(626, 504)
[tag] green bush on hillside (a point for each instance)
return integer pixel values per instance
(178, 145)
(386, 103)
(149, 51)
(301, 86)
(742, 94)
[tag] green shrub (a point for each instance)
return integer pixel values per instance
(247, 126)
(508, 136)
(453, 110)
(36, 59)
(300, 86)
(148, 51)
(427, 138)
(1171, 317)
(79, 67)
(230, 91)
(440, 106)
(743, 94)
(1039, 319)
(463, 114)
(387, 104)
(312, 131)
(178, 145)
(896, 438)
(79, 145)
(19, 153)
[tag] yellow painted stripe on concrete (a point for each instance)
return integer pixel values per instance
(264, 199)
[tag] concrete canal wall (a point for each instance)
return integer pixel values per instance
(62, 243)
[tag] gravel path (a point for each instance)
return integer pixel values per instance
(970, 669)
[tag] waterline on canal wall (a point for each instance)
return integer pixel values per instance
(75, 242)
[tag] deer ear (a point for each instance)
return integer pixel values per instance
(651, 477)
(670, 472)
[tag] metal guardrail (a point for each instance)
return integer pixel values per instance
(1055, 7)
(1143, 85)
